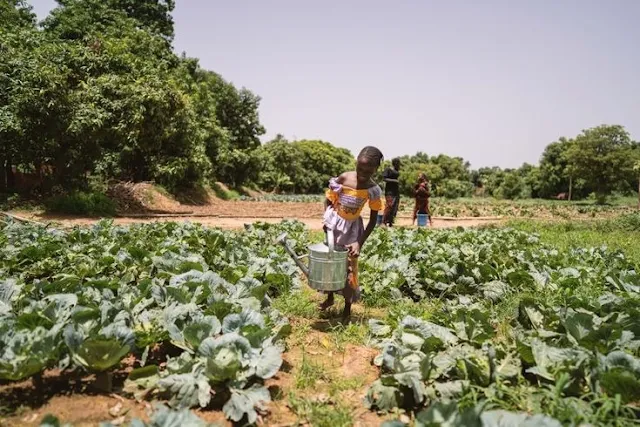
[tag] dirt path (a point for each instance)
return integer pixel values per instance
(236, 222)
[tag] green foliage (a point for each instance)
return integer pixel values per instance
(524, 327)
(99, 92)
(453, 189)
(603, 157)
(448, 175)
(73, 19)
(87, 298)
(16, 13)
(82, 203)
(301, 166)
(511, 187)
(223, 193)
(554, 175)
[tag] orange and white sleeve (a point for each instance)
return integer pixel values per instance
(375, 198)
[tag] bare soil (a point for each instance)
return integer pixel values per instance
(313, 219)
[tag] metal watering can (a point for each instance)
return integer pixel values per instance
(327, 267)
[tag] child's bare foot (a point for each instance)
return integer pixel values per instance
(327, 303)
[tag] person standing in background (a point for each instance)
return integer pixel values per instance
(422, 193)
(391, 178)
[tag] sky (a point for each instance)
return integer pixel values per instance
(492, 81)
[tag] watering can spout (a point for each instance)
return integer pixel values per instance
(282, 239)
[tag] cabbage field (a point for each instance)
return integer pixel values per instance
(476, 327)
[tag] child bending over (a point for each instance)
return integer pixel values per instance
(345, 198)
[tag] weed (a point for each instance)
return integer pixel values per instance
(353, 333)
(320, 414)
(299, 304)
(82, 203)
(309, 373)
(339, 385)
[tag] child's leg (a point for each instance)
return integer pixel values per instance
(351, 288)
(348, 294)
(388, 209)
(328, 302)
(346, 313)
(394, 210)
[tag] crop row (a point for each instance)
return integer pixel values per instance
(482, 326)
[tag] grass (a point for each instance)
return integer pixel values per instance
(352, 333)
(298, 304)
(319, 413)
(82, 203)
(223, 193)
(310, 373)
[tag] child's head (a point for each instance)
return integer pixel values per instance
(422, 177)
(369, 161)
(396, 163)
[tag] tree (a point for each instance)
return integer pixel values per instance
(281, 167)
(602, 156)
(74, 19)
(107, 99)
(18, 29)
(489, 179)
(15, 14)
(554, 172)
(512, 186)
(531, 181)
(153, 15)
(636, 169)
(319, 161)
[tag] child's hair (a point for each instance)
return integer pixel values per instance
(371, 153)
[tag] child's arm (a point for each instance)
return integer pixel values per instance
(354, 248)
(373, 220)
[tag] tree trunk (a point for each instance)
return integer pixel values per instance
(11, 177)
(570, 187)
(3, 175)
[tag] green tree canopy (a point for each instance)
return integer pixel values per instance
(601, 156)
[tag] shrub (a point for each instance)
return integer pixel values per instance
(453, 189)
(82, 203)
(224, 193)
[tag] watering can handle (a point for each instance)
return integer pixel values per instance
(330, 240)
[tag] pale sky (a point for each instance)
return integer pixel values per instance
(493, 81)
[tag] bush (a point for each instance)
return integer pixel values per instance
(82, 203)
(223, 193)
(454, 189)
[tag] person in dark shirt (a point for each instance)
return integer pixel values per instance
(391, 178)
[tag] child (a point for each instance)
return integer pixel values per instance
(346, 197)
(422, 194)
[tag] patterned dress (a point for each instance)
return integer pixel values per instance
(343, 217)
(422, 194)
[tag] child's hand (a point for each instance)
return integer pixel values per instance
(354, 249)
